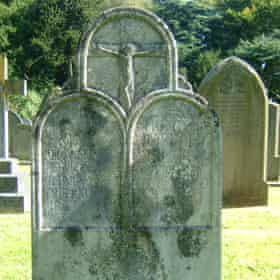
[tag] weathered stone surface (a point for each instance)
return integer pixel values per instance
(20, 137)
(272, 167)
(126, 192)
(235, 91)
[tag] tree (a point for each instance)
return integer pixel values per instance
(263, 52)
(4, 27)
(190, 23)
(45, 37)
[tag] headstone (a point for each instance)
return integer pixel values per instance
(272, 167)
(235, 91)
(127, 181)
(20, 137)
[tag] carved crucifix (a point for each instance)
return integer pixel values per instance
(6, 87)
(128, 52)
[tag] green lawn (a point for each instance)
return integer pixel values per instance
(251, 243)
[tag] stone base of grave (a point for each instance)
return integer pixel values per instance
(11, 198)
(11, 203)
(242, 203)
(6, 166)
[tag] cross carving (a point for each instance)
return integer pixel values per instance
(7, 87)
(128, 52)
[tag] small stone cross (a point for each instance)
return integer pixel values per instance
(128, 52)
(7, 87)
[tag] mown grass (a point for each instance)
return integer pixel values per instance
(15, 247)
(251, 243)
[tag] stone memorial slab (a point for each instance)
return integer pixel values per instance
(20, 137)
(235, 91)
(272, 168)
(126, 192)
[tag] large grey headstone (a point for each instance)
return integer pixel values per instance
(127, 192)
(272, 161)
(20, 137)
(235, 91)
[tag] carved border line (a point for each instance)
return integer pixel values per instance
(37, 144)
(187, 97)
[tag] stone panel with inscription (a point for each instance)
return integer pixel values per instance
(81, 165)
(174, 186)
(127, 192)
(235, 91)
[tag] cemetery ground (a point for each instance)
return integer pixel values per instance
(251, 243)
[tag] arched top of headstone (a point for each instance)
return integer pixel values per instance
(126, 54)
(235, 66)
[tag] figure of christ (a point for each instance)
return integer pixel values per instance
(128, 52)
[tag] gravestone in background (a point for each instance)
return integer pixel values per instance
(20, 137)
(235, 91)
(272, 167)
(127, 166)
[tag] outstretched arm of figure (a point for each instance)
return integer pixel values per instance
(101, 47)
(153, 52)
